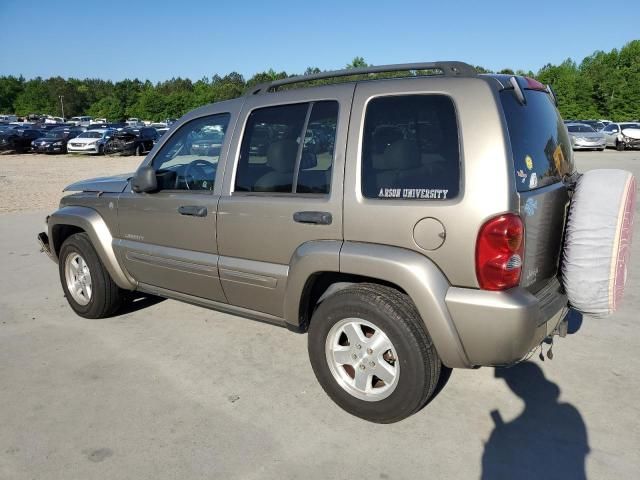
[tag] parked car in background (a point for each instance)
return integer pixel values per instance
(91, 141)
(8, 118)
(18, 140)
(134, 122)
(50, 119)
(55, 141)
(206, 142)
(584, 137)
(132, 141)
(622, 135)
(98, 120)
(81, 121)
(161, 132)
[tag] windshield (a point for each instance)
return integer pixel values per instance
(55, 133)
(580, 128)
(90, 135)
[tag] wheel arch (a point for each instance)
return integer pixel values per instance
(70, 220)
(323, 267)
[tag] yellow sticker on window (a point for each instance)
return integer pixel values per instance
(559, 161)
(528, 161)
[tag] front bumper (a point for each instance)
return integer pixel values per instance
(47, 148)
(94, 148)
(45, 247)
(585, 144)
(631, 143)
(500, 328)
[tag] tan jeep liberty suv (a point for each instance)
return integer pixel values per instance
(409, 225)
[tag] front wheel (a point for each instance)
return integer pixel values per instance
(620, 146)
(89, 289)
(371, 353)
(139, 150)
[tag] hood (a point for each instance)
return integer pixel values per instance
(48, 140)
(85, 141)
(632, 133)
(587, 134)
(114, 184)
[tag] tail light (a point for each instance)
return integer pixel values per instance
(499, 252)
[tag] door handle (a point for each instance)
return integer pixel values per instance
(317, 218)
(193, 211)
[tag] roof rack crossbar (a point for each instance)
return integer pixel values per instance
(448, 69)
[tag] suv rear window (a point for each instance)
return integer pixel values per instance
(539, 140)
(410, 148)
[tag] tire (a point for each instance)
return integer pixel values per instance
(601, 149)
(101, 150)
(105, 297)
(620, 146)
(412, 355)
(139, 150)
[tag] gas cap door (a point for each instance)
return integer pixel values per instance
(429, 233)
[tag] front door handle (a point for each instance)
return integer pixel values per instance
(193, 210)
(317, 218)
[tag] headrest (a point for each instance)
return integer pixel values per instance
(400, 155)
(309, 160)
(281, 155)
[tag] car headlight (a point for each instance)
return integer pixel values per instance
(57, 144)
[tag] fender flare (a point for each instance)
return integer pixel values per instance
(414, 273)
(94, 225)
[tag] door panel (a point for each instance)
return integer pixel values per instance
(167, 238)
(257, 233)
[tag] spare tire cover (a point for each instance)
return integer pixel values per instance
(598, 241)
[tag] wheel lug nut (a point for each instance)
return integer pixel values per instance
(369, 351)
(372, 364)
(354, 356)
(362, 367)
(358, 346)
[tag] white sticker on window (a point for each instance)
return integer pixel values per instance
(533, 180)
(422, 193)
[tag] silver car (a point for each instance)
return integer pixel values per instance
(584, 137)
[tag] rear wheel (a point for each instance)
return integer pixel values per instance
(89, 289)
(371, 353)
(619, 146)
(139, 150)
(101, 150)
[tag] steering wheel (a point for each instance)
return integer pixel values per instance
(196, 176)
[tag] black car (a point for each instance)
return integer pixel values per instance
(206, 142)
(55, 141)
(131, 141)
(18, 140)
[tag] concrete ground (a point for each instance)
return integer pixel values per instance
(172, 391)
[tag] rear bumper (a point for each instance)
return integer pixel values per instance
(500, 328)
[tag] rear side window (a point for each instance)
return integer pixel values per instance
(288, 149)
(410, 148)
(539, 140)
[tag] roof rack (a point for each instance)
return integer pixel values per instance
(448, 69)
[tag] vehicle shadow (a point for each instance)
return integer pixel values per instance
(138, 301)
(547, 440)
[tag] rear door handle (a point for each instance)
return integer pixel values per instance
(318, 218)
(193, 211)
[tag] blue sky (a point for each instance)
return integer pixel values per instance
(157, 40)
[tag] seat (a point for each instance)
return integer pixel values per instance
(400, 165)
(281, 159)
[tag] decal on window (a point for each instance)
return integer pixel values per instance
(438, 193)
(528, 161)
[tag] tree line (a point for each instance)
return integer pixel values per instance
(603, 85)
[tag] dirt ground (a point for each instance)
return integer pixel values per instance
(34, 182)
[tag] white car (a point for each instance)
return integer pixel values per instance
(91, 141)
(622, 135)
(81, 121)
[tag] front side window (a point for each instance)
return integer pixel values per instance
(189, 159)
(288, 149)
(410, 148)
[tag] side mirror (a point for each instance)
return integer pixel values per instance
(145, 180)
